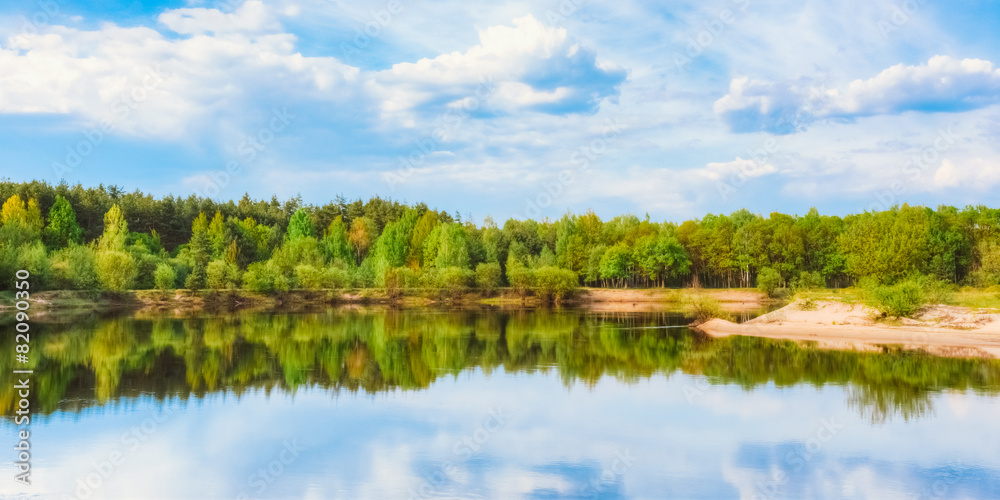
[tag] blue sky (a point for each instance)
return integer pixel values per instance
(512, 109)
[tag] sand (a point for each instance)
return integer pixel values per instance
(940, 330)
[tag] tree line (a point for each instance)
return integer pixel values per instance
(71, 237)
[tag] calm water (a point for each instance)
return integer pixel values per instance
(486, 404)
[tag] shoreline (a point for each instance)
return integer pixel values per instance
(939, 330)
(591, 299)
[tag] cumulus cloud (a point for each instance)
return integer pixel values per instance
(944, 84)
(527, 66)
(145, 84)
(152, 84)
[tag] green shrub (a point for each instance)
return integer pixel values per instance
(145, 264)
(264, 277)
(222, 275)
(115, 270)
(704, 307)
(768, 281)
(520, 278)
(307, 276)
(33, 258)
(74, 268)
(165, 277)
(902, 299)
(488, 276)
(554, 283)
(337, 277)
(453, 280)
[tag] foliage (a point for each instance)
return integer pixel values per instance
(704, 307)
(165, 278)
(903, 299)
(489, 276)
(553, 283)
(768, 281)
(62, 229)
(222, 275)
(116, 270)
(74, 268)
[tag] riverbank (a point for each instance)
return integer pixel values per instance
(940, 330)
(596, 299)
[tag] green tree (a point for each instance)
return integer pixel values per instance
(63, 229)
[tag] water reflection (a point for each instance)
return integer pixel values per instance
(85, 361)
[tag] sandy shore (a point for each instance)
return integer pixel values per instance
(940, 330)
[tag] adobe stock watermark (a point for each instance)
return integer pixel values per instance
(450, 120)
(612, 473)
(901, 14)
(371, 30)
(915, 168)
(465, 448)
(710, 32)
(121, 107)
(565, 9)
(103, 470)
(247, 150)
(797, 460)
(47, 10)
(261, 479)
(582, 158)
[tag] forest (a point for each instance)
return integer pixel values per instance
(103, 238)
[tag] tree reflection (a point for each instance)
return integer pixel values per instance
(91, 360)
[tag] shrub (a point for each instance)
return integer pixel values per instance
(337, 277)
(768, 281)
(33, 258)
(554, 283)
(488, 276)
(307, 276)
(454, 280)
(165, 277)
(115, 270)
(520, 278)
(74, 268)
(222, 275)
(704, 308)
(900, 300)
(264, 277)
(145, 264)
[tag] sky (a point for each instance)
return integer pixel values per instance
(511, 109)
(530, 436)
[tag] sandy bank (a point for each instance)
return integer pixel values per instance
(940, 330)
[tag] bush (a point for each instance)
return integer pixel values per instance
(488, 276)
(768, 281)
(115, 270)
(74, 268)
(222, 275)
(554, 283)
(454, 280)
(307, 276)
(264, 277)
(520, 278)
(165, 277)
(145, 264)
(337, 277)
(900, 300)
(705, 308)
(33, 258)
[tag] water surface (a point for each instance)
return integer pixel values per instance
(388, 404)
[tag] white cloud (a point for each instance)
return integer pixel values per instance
(944, 84)
(251, 17)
